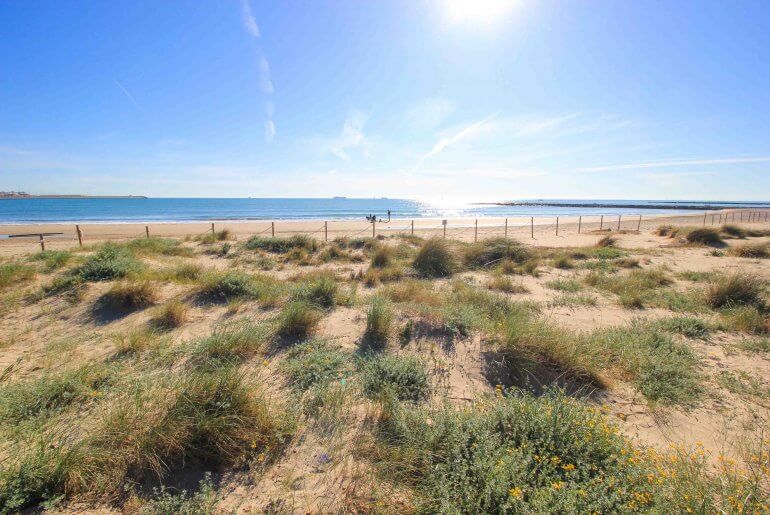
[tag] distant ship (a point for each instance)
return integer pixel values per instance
(338, 198)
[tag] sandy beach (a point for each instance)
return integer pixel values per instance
(571, 231)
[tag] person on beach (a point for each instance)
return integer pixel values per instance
(388, 215)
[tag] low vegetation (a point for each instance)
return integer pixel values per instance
(435, 259)
(131, 295)
(403, 377)
(282, 245)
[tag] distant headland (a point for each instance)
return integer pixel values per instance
(23, 194)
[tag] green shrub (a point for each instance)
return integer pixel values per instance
(688, 326)
(282, 245)
(404, 377)
(109, 262)
(201, 502)
(525, 454)
(492, 251)
(734, 290)
(298, 320)
(183, 272)
(434, 259)
(314, 363)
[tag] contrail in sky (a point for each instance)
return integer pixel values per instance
(118, 84)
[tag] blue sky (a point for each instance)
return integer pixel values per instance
(444, 99)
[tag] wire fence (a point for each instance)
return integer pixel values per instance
(521, 228)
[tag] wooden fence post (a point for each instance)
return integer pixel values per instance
(557, 226)
(443, 222)
(476, 231)
(412, 227)
(212, 228)
(532, 226)
(580, 223)
(704, 218)
(147, 231)
(639, 225)
(42, 244)
(80, 235)
(326, 231)
(601, 223)
(619, 221)
(272, 229)
(505, 234)
(741, 216)
(374, 230)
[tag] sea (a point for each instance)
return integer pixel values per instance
(140, 209)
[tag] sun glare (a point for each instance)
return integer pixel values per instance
(478, 12)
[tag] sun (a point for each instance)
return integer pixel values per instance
(477, 12)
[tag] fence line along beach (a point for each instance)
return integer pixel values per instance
(546, 230)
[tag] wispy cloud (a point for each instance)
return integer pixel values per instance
(249, 21)
(128, 95)
(265, 80)
(445, 142)
(269, 131)
(352, 136)
(674, 163)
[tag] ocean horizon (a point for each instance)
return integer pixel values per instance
(137, 210)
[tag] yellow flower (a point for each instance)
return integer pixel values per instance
(558, 485)
(568, 467)
(516, 492)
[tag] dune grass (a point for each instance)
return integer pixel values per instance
(492, 251)
(506, 285)
(747, 319)
(736, 289)
(298, 320)
(733, 231)
(750, 250)
(379, 321)
(278, 245)
(130, 295)
(15, 273)
(383, 257)
(51, 393)
(573, 300)
(230, 344)
(171, 315)
(435, 259)
(568, 285)
(634, 288)
(159, 424)
(321, 291)
(52, 259)
(704, 236)
(606, 241)
(235, 285)
(158, 246)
